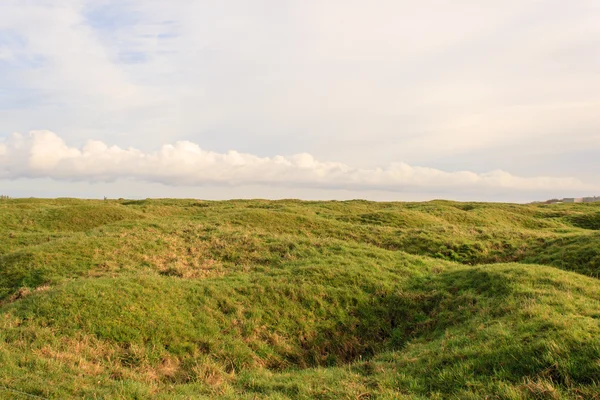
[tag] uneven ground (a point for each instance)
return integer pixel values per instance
(178, 299)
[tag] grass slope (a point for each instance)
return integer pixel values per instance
(287, 299)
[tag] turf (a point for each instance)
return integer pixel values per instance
(178, 299)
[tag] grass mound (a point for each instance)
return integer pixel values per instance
(70, 216)
(586, 221)
(85, 217)
(256, 299)
(579, 253)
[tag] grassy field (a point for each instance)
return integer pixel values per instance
(182, 299)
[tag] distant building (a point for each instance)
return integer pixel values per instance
(591, 199)
(573, 200)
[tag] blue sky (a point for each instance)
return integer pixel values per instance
(394, 100)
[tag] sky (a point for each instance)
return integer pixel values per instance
(382, 100)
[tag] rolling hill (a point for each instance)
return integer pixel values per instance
(245, 299)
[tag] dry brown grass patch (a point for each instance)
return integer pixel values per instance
(540, 389)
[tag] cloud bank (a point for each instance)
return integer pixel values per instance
(44, 154)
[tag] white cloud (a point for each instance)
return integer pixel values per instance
(6, 54)
(72, 65)
(43, 154)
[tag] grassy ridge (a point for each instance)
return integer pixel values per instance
(290, 299)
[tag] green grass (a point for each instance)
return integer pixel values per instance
(287, 299)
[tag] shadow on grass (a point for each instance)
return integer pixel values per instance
(17, 271)
(424, 307)
(579, 253)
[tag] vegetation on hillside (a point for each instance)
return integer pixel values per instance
(289, 299)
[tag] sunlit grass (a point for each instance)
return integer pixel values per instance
(289, 299)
